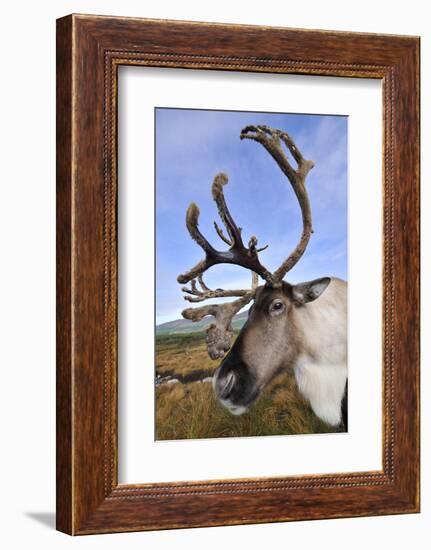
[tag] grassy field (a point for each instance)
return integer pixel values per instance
(188, 410)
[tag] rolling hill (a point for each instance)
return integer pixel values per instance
(184, 326)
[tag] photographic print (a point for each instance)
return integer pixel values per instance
(251, 273)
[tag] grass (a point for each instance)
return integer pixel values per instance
(184, 356)
(189, 410)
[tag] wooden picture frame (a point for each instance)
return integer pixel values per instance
(89, 51)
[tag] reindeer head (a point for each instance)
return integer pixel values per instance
(271, 337)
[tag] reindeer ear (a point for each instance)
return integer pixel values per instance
(310, 291)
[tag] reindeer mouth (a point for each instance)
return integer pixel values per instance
(236, 410)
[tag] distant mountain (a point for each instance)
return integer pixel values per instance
(184, 326)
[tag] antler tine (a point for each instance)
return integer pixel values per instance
(254, 281)
(217, 192)
(222, 236)
(202, 283)
(271, 139)
(237, 254)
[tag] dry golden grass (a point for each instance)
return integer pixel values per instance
(190, 411)
(184, 356)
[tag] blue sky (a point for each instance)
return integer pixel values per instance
(192, 146)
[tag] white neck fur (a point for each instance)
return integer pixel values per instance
(323, 385)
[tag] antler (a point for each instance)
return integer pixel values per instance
(219, 334)
(272, 139)
(237, 254)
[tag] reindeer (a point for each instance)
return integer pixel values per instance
(290, 326)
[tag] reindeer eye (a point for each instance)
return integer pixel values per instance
(277, 307)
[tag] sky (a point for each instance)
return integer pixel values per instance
(192, 146)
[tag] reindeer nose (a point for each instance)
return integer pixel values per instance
(227, 385)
